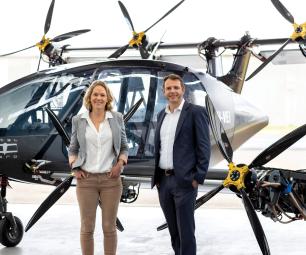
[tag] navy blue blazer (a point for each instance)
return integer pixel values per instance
(191, 148)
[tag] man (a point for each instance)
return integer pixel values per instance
(182, 152)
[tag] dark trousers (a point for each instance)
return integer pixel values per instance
(178, 205)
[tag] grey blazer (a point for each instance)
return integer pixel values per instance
(78, 142)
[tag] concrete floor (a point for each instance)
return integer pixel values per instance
(219, 231)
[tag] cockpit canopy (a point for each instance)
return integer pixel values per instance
(22, 108)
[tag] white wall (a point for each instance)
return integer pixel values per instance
(22, 22)
(280, 91)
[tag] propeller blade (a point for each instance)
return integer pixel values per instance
(126, 16)
(255, 223)
(50, 200)
(58, 125)
(171, 10)
(278, 147)
(268, 60)
(218, 132)
(143, 52)
(49, 17)
(69, 35)
(132, 110)
(118, 222)
(162, 227)
(200, 201)
(40, 57)
(119, 52)
(283, 11)
(46, 29)
(203, 199)
(17, 51)
(119, 225)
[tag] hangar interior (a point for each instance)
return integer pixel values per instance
(278, 90)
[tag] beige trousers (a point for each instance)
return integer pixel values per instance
(91, 190)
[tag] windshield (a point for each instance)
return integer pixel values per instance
(129, 85)
(22, 108)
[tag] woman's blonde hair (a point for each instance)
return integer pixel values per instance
(110, 98)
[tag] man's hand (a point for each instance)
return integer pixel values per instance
(195, 184)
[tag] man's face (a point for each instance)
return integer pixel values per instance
(173, 91)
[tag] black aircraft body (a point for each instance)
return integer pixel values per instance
(36, 113)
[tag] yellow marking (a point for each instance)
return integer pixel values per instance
(299, 31)
(137, 39)
(233, 169)
(43, 43)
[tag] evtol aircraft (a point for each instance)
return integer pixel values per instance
(36, 113)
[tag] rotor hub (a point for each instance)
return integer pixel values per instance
(236, 176)
(137, 39)
(299, 31)
(43, 43)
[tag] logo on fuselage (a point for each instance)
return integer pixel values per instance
(225, 116)
(8, 148)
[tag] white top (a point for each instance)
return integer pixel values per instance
(99, 145)
(167, 135)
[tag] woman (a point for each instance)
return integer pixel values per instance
(97, 153)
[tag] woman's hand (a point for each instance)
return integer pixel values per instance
(116, 170)
(72, 159)
(80, 174)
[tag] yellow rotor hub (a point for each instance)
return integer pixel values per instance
(43, 43)
(236, 176)
(137, 39)
(299, 31)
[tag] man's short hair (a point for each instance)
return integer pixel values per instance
(173, 77)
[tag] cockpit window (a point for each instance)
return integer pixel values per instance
(22, 109)
(128, 88)
(194, 92)
(128, 85)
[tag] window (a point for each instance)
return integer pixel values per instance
(128, 85)
(22, 108)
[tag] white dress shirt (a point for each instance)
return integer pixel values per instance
(99, 145)
(167, 135)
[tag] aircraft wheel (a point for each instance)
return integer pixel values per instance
(7, 236)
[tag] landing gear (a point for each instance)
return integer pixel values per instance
(10, 236)
(130, 191)
(11, 228)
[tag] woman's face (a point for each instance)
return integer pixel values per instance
(98, 98)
